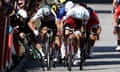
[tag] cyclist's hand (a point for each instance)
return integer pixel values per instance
(36, 32)
(94, 36)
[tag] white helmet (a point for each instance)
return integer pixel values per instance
(68, 5)
(22, 13)
(46, 11)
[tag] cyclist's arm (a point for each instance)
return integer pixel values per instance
(59, 18)
(60, 15)
(114, 4)
(31, 23)
(97, 23)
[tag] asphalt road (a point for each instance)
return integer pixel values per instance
(105, 58)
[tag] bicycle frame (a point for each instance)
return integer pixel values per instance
(48, 47)
(69, 50)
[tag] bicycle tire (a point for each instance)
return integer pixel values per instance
(82, 59)
(70, 55)
(84, 53)
(48, 54)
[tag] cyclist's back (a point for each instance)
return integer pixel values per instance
(77, 12)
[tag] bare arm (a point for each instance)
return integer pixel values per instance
(31, 25)
(114, 4)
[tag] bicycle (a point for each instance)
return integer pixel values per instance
(69, 49)
(49, 46)
(85, 46)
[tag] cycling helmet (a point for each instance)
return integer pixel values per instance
(68, 5)
(46, 11)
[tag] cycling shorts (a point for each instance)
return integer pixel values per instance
(73, 23)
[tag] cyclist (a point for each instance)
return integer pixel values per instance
(94, 27)
(76, 15)
(117, 26)
(59, 23)
(47, 18)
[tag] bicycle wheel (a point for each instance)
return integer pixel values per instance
(69, 57)
(84, 53)
(82, 59)
(48, 54)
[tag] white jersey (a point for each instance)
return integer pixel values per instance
(78, 12)
(40, 15)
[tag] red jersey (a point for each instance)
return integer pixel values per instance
(93, 20)
(74, 23)
(117, 12)
(78, 23)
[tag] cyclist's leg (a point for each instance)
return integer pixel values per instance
(62, 49)
(95, 36)
(71, 23)
(38, 45)
(63, 42)
(77, 36)
(55, 41)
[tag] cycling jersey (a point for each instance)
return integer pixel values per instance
(73, 23)
(117, 13)
(78, 12)
(93, 21)
(62, 13)
(48, 21)
(40, 15)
